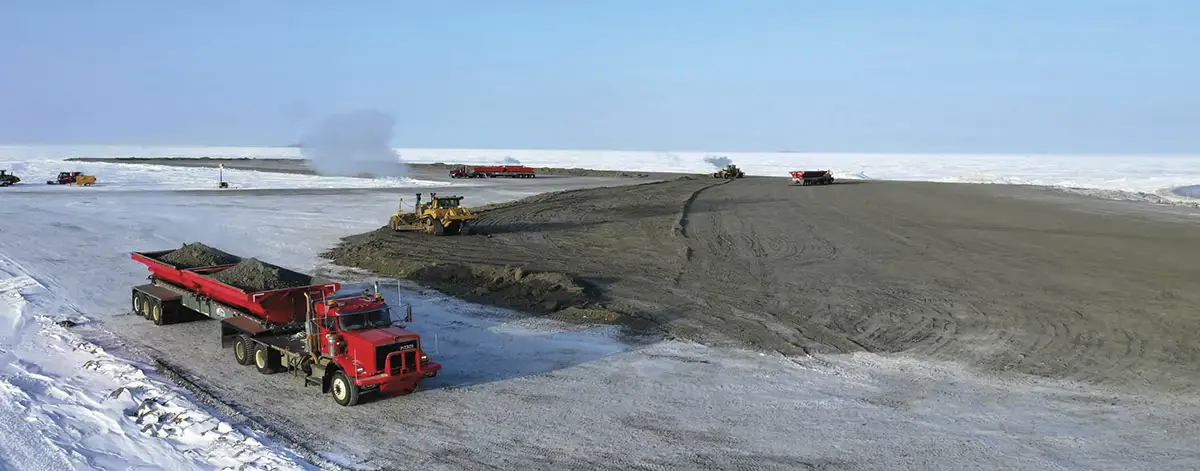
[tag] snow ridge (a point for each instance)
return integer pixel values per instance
(65, 403)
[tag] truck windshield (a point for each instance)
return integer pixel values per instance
(366, 320)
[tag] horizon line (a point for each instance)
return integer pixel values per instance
(555, 149)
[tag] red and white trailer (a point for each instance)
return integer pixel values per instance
(811, 177)
(492, 171)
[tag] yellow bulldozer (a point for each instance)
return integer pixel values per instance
(441, 215)
(730, 171)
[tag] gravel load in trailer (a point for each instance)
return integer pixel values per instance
(253, 274)
(195, 255)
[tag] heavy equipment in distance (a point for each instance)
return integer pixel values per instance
(492, 171)
(730, 171)
(73, 178)
(811, 177)
(8, 179)
(441, 215)
(344, 343)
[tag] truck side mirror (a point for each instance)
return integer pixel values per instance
(408, 314)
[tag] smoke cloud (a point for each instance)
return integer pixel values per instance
(355, 144)
(510, 161)
(719, 162)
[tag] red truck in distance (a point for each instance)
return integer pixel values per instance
(492, 171)
(345, 344)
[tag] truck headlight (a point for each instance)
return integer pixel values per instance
(424, 358)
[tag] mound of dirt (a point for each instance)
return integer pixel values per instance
(992, 275)
(254, 275)
(196, 255)
(508, 287)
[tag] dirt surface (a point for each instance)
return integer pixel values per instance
(254, 275)
(438, 171)
(196, 254)
(999, 276)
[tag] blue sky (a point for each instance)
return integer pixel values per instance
(1069, 76)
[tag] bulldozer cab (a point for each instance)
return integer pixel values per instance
(446, 201)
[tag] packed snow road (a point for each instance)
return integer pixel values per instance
(524, 393)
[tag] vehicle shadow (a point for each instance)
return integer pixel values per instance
(480, 344)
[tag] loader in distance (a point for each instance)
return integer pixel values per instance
(441, 215)
(73, 178)
(8, 179)
(346, 344)
(730, 171)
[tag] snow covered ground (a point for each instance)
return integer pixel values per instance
(35, 168)
(1130, 173)
(66, 403)
(545, 395)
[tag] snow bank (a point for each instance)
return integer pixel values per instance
(138, 177)
(1133, 173)
(65, 403)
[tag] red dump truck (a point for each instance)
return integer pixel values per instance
(492, 171)
(811, 177)
(344, 343)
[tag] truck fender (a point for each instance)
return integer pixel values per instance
(332, 367)
(327, 378)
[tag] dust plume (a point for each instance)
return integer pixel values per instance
(719, 162)
(356, 144)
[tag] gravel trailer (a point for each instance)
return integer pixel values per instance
(811, 177)
(283, 321)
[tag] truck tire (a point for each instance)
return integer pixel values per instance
(343, 390)
(242, 350)
(266, 359)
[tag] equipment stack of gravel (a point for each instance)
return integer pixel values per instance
(253, 275)
(195, 255)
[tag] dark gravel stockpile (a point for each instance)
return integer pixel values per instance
(1004, 277)
(254, 275)
(195, 255)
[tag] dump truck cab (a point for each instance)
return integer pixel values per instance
(357, 333)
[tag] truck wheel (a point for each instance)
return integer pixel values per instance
(266, 359)
(241, 350)
(344, 392)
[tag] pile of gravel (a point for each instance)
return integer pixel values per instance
(195, 255)
(253, 275)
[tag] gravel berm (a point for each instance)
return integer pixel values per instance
(1006, 278)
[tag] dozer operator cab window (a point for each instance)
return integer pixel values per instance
(447, 202)
(366, 320)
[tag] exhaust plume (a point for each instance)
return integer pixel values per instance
(353, 144)
(510, 161)
(719, 162)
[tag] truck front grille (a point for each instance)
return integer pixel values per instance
(382, 351)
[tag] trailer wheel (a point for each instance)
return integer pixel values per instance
(241, 350)
(138, 307)
(266, 359)
(344, 392)
(156, 313)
